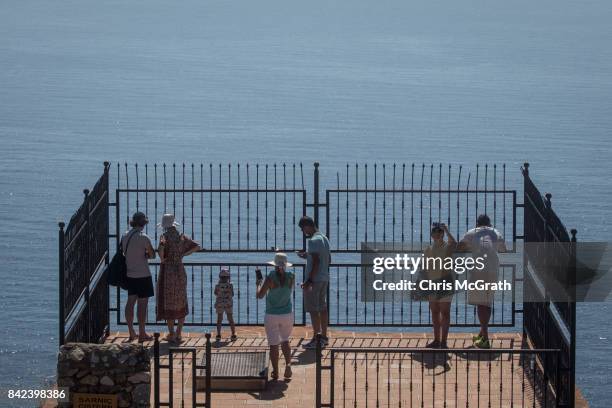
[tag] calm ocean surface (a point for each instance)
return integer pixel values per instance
(272, 81)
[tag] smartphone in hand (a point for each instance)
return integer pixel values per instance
(258, 275)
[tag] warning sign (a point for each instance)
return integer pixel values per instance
(94, 401)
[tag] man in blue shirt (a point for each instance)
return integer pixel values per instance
(318, 258)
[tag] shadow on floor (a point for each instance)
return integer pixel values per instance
(274, 390)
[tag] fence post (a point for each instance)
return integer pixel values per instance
(318, 371)
(107, 258)
(572, 362)
(87, 263)
(525, 258)
(316, 194)
(156, 370)
(61, 285)
(208, 371)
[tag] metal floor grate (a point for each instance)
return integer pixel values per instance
(239, 364)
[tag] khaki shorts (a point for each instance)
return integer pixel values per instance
(482, 297)
(315, 298)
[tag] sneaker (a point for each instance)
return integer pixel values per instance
(443, 345)
(324, 341)
(311, 345)
(433, 344)
(483, 343)
(233, 338)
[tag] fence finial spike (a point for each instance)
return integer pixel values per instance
(86, 192)
(61, 225)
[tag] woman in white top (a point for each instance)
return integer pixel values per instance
(137, 247)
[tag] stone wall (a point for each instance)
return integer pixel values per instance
(121, 369)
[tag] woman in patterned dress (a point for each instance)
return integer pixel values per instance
(172, 282)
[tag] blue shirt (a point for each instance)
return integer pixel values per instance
(318, 244)
(278, 299)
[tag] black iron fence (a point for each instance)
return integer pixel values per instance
(399, 309)
(179, 369)
(227, 209)
(398, 203)
(83, 256)
(417, 377)
(202, 278)
(240, 213)
(546, 323)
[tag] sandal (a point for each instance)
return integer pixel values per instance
(145, 338)
(274, 375)
(233, 338)
(288, 372)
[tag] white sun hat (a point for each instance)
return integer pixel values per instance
(225, 272)
(280, 259)
(168, 221)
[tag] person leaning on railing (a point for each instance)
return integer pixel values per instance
(138, 250)
(440, 298)
(277, 288)
(485, 242)
(171, 298)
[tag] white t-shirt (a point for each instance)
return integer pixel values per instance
(136, 255)
(485, 242)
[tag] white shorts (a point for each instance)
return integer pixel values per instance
(278, 328)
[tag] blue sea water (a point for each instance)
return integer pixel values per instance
(270, 81)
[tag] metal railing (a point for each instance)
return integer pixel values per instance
(546, 323)
(397, 203)
(201, 280)
(347, 308)
(83, 256)
(420, 377)
(227, 209)
(178, 373)
(238, 212)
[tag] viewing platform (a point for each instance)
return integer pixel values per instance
(495, 377)
(376, 357)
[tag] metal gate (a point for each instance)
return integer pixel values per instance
(241, 214)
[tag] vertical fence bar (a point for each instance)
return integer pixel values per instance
(62, 321)
(118, 243)
(208, 371)
(318, 371)
(316, 194)
(156, 371)
(88, 272)
(572, 322)
(107, 257)
(194, 388)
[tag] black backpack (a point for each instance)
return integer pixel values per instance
(117, 269)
